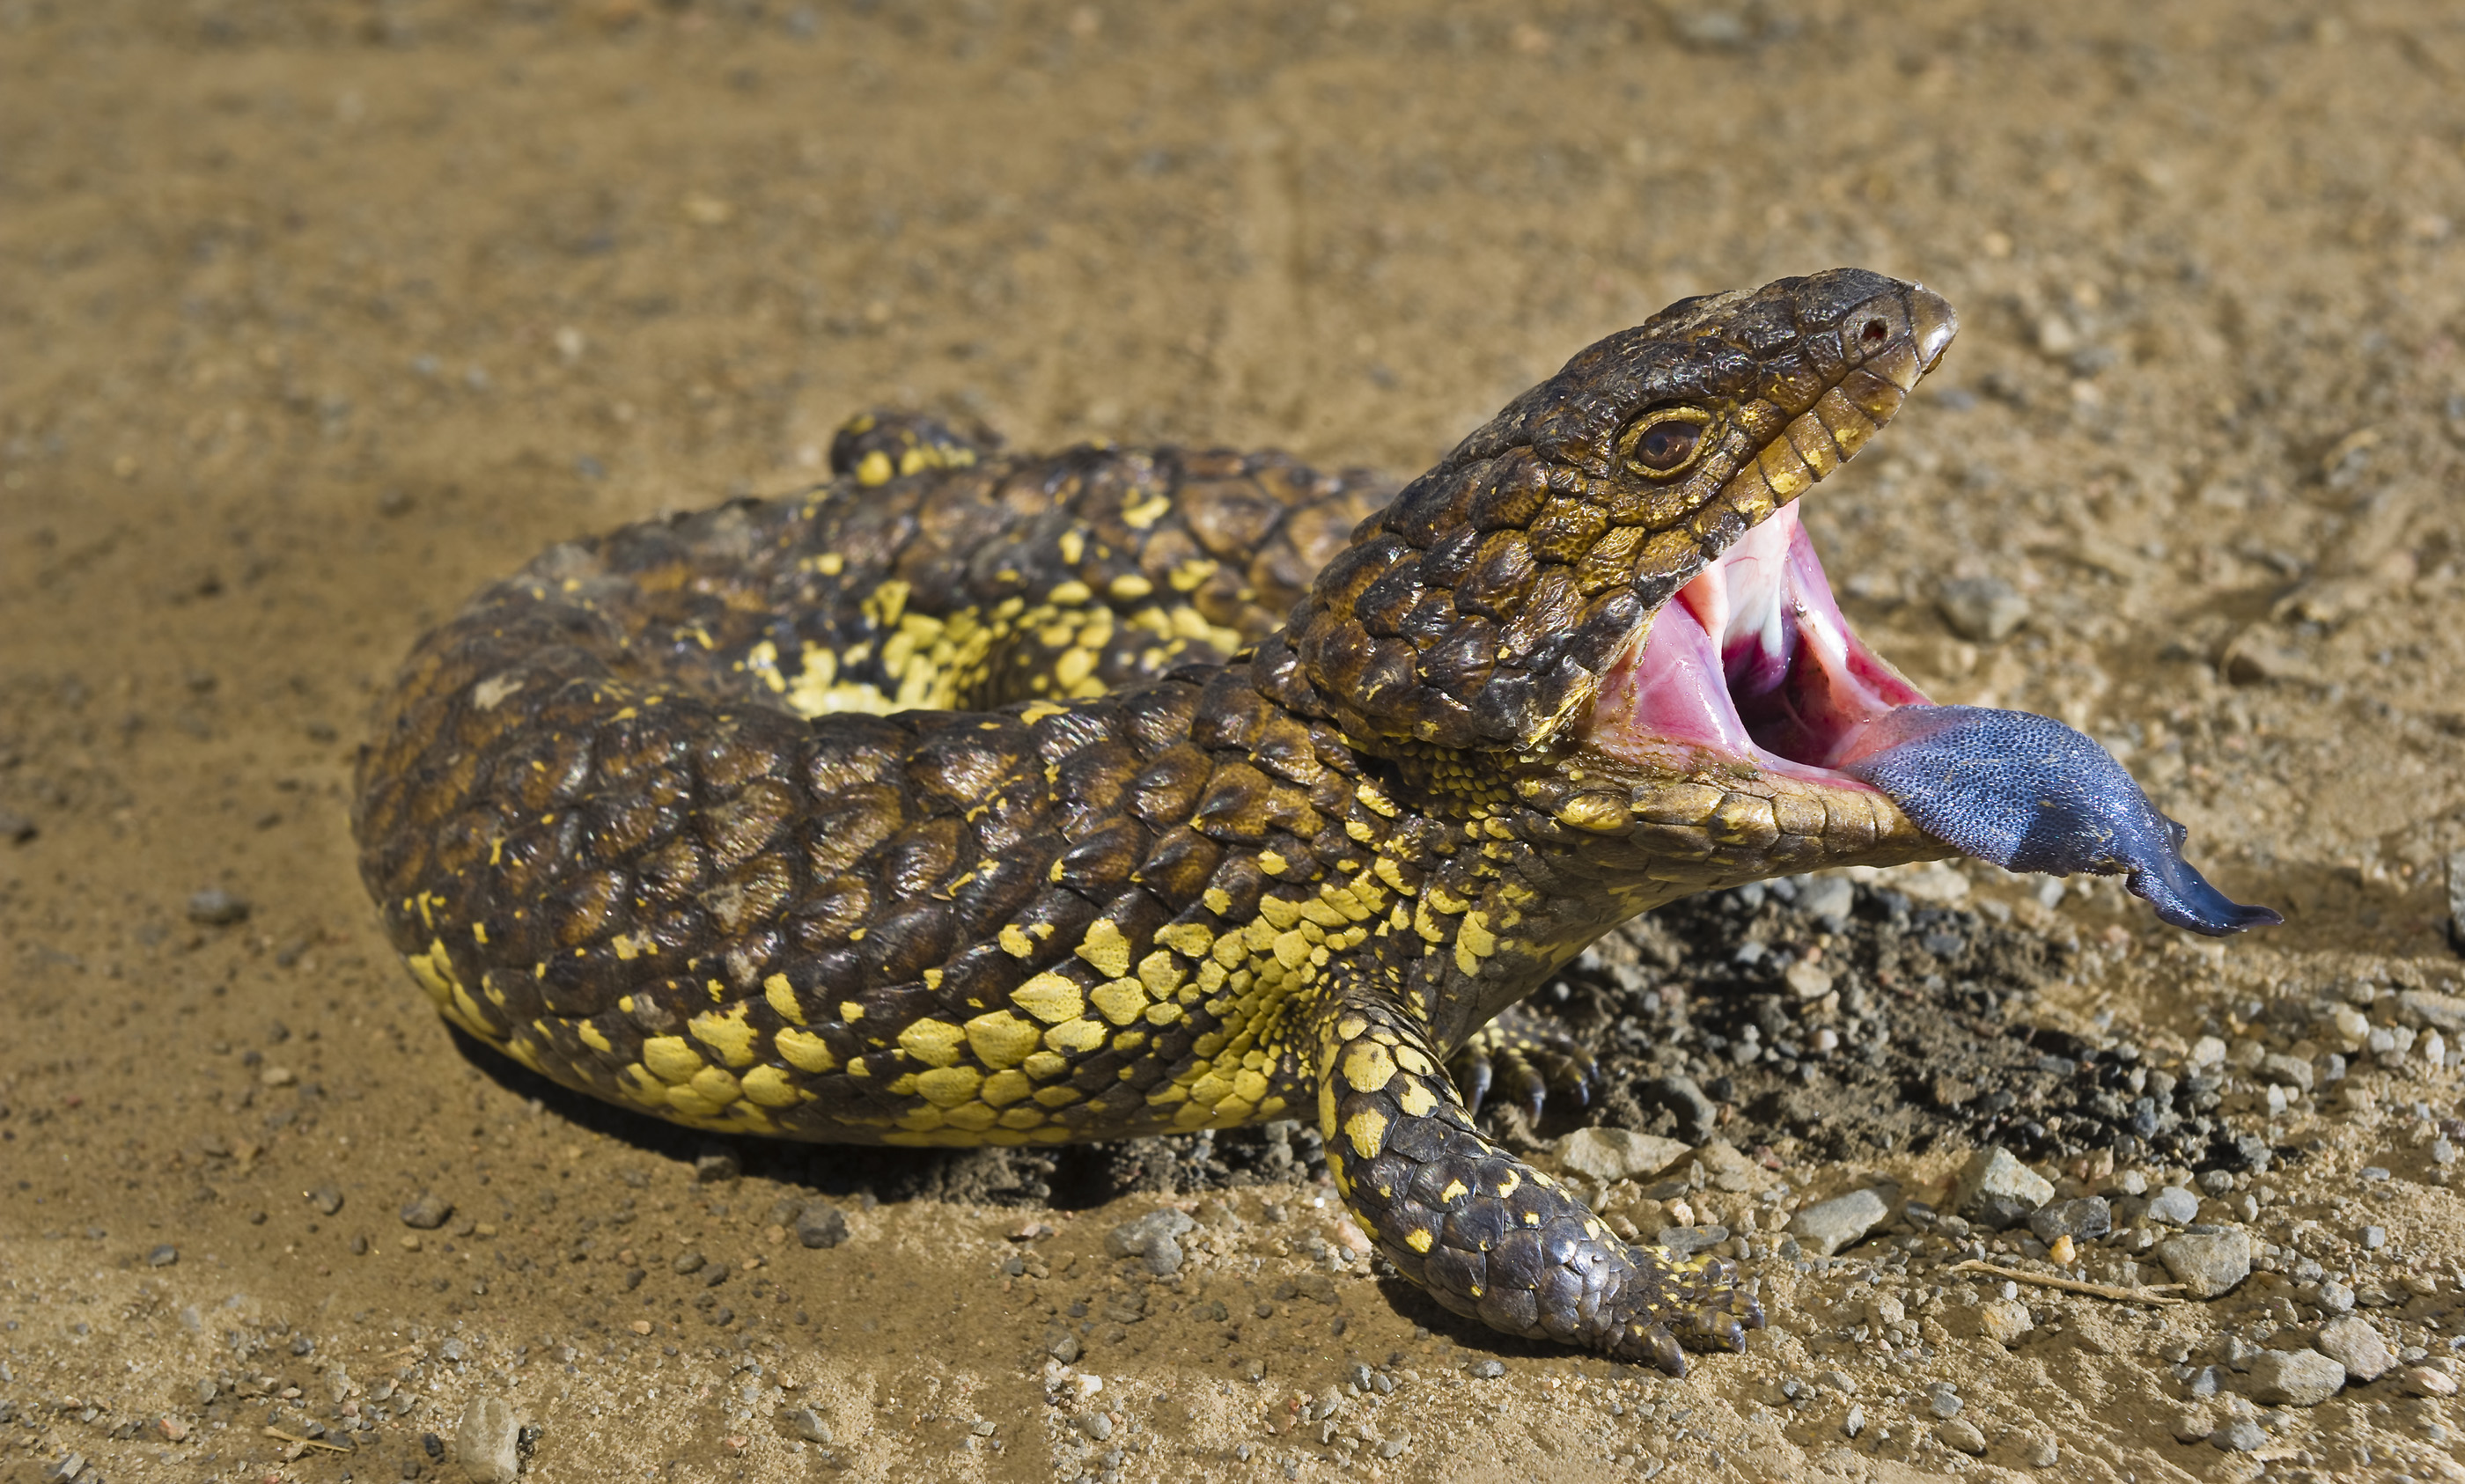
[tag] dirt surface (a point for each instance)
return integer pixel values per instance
(319, 315)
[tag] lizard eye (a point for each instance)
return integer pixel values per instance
(1663, 441)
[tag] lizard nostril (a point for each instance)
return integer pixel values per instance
(1875, 332)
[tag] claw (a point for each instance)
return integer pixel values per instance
(1471, 1081)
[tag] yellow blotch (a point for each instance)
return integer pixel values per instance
(1190, 939)
(1022, 1118)
(1061, 1096)
(1106, 948)
(1352, 1028)
(1160, 972)
(1006, 1087)
(770, 1087)
(1293, 948)
(1419, 1241)
(1122, 1000)
(726, 1032)
(1146, 512)
(933, 1042)
(592, 1036)
(1416, 1099)
(1162, 1014)
(1249, 1086)
(1014, 941)
(1001, 1039)
(670, 1059)
(1509, 1182)
(805, 1051)
(1076, 1038)
(1070, 594)
(1454, 1191)
(974, 1116)
(1216, 899)
(643, 1088)
(875, 467)
(781, 996)
(1369, 1067)
(1367, 1130)
(1273, 862)
(947, 1087)
(1044, 1066)
(716, 1085)
(1128, 587)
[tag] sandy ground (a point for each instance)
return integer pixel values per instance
(318, 315)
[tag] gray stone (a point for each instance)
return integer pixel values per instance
(1486, 1370)
(1609, 1153)
(1982, 609)
(1961, 1436)
(2206, 1263)
(2038, 1450)
(2173, 1205)
(1826, 896)
(717, 1166)
(215, 907)
(2356, 1346)
(2239, 1435)
(1996, 1190)
(426, 1212)
(1944, 1401)
(1687, 1241)
(805, 1423)
(821, 1224)
(161, 1257)
(1828, 1226)
(2004, 1321)
(2083, 1219)
(1152, 1239)
(488, 1443)
(2285, 1071)
(327, 1198)
(15, 828)
(2425, 1007)
(2295, 1378)
(689, 1262)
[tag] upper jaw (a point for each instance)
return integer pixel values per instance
(1751, 665)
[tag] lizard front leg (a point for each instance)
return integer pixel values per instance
(1489, 1236)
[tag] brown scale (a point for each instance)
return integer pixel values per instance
(935, 806)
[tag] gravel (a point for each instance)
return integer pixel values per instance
(1982, 609)
(2004, 1321)
(2356, 1346)
(2173, 1205)
(2083, 1220)
(488, 1441)
(1995, 1190)
(163, 1256)
(2206, 1263)
(819, 1225)
(807, 1423)
(2295, 1378)
(215, 907)
(426, 1211)
(1608, 1154)
(1152, 1239)
(1963, 1436)
(1828, 1226)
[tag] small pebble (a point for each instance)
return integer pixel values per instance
(487, 1444)
(717, 1166)
(821, 1226)
(2295, 1378)
(2206, 1263)
(215, 907)
(2173, 1205)
(1961, 1436)
(1944, 1402)
(1613, 1154)
(2084, 1219)
(426, 1211)
(163, 1256)
(1982, 609)
(1828, 1226)
(2429, 1381)
(805, 1424)
(1485, 1370)
(327, 1198)
(2003, 1321)
(2038, 1450)
(1855, 1421)
(15, 828)
(2357, 1346)
(2239, 1435)
(1996, 1190)
(1152, 1238)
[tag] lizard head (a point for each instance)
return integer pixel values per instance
(1607, 591)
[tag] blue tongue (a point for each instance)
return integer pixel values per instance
(2029, 794)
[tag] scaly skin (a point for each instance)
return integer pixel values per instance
(972, 798)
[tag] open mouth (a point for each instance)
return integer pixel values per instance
(1751, 661)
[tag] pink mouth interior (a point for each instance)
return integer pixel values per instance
(1753, 661)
